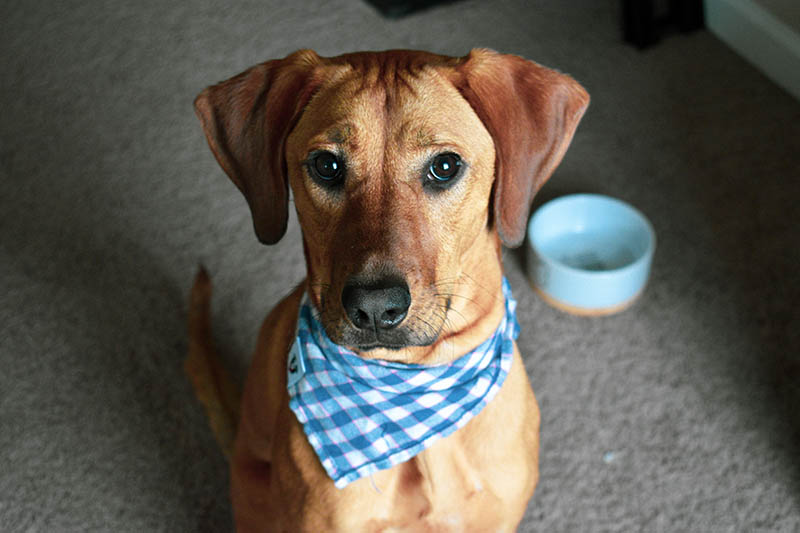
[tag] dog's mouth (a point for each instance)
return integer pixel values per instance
(417, 332)
(378, 345)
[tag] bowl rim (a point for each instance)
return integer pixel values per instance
(595, 274)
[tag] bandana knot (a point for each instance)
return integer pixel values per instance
(362, 415)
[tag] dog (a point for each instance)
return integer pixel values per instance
(408, 171)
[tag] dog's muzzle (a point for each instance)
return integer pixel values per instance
(375, 310)
(378, 307)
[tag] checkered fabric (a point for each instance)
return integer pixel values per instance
(364, 415)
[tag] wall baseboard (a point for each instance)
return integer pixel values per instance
(760, 37)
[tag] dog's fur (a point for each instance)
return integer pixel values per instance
(388, 114)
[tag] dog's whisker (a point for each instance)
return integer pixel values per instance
(480, 286)
(432, 331)
(466, 322)
(467, 298)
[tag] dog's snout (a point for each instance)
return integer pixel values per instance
(379, 306)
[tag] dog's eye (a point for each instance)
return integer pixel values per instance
(443, 169)
(326, 167)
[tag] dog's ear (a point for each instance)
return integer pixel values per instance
(246, 120)
(531, 113)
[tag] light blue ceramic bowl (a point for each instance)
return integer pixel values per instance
(591, 254)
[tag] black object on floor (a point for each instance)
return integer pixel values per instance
(644, 23)
(401, 8)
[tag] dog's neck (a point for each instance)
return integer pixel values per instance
(476, 308)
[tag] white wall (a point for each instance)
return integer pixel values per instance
(765, 32)
(787, 11)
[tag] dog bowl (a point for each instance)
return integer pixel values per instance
(591, 254)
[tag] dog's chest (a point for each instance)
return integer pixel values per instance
(442, 489)
(477, 479)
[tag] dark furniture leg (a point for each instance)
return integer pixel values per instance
(643, 23)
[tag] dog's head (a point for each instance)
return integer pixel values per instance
(407, 170)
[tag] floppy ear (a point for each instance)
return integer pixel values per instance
(246, 120)
(531, 112)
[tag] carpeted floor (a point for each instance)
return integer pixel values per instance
(681, 414)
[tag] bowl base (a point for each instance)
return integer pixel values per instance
(586, 311)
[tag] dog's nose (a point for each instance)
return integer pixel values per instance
(379, 306)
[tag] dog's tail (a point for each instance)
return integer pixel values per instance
(213, 385)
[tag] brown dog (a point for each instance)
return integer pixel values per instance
(408, 170)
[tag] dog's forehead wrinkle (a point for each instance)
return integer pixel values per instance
(435, 116)
(390, 70)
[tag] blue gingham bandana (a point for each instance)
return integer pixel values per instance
(362, 415)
